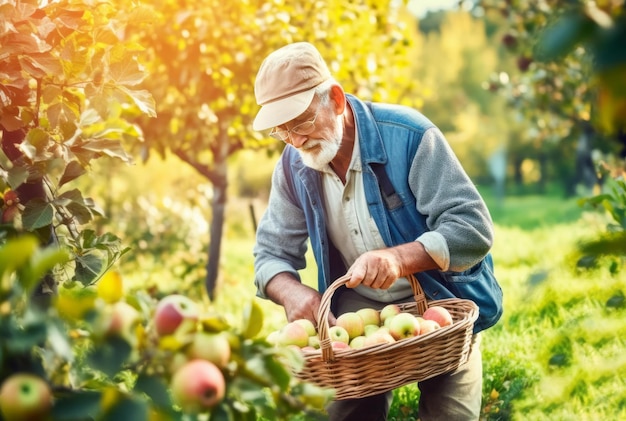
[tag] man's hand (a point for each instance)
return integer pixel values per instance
(299, 301)
(380, 268)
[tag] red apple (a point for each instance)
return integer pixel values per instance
(338, 334)
(439, 314)
(404, 325)
(25, 397)
(293, 333)
(198, 386)
(388, 311)
(352, 323)
(173, 312)
(339, 345)
(213, 347)
(369, 316)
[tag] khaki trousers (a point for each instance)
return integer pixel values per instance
(455, 396)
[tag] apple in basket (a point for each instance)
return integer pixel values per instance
(439, 314)
(388, 312)
(352, 323)
(293, 333)
(338, 334)
(404, 325)
(382, 336)
(427, 326)
(369, 316)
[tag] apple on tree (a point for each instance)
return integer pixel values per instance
(213, 347)
(175, 312)
(197, 386)
(25, 397)
(352, 323)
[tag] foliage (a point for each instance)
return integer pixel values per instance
(68, 90)
(99, 371)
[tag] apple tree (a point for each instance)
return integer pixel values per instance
(68, 94)
(203, 57)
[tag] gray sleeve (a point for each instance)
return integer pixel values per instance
(281, 237)
(453, 205)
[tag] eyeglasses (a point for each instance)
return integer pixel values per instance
(302, 129)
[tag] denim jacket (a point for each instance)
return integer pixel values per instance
(435, 194)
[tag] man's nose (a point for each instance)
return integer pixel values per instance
(297, 140)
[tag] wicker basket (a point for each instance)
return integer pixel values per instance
(357, 373)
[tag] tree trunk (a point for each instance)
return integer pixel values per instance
(216, 229)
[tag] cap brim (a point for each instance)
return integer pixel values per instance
(283, 110)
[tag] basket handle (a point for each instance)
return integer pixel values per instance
(328, 353)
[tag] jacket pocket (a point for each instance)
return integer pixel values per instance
(480, 285)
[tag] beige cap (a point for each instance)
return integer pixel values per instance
(286, 83)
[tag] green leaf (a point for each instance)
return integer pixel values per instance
(16, 252)
(560, 38)
(110, 355)
(143, 99)
(127, 71)
(41, 262)
(73, 170)
(77, 405)
(29, 335)
(155, 387)
(252, 319)
(37, 214)
(88, 268)
(128, 408)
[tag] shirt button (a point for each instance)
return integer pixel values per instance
(347, 199)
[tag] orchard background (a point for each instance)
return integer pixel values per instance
(129, 172)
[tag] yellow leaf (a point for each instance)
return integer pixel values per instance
(252, 320)
(110, 287)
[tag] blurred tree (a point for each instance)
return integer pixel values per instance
(204, 57)
(571, 83)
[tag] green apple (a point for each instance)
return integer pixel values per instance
(197, 386)
(308, 326)
(369, 329)
(293, 333)
(352, 323)
(338, 334)
(175, 312)
(404, 325)
(439, 314)
(369, 316)
(314, 341)
(25, 396)
(213, 347)
(388, 311)
(358, 342)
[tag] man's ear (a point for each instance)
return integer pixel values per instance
(338, 98)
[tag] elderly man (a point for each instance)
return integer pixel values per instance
(379, 194)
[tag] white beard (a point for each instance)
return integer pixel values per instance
(323, 150)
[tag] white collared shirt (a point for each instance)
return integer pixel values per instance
(353, 231)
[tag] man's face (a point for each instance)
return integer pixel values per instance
(321, 146)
